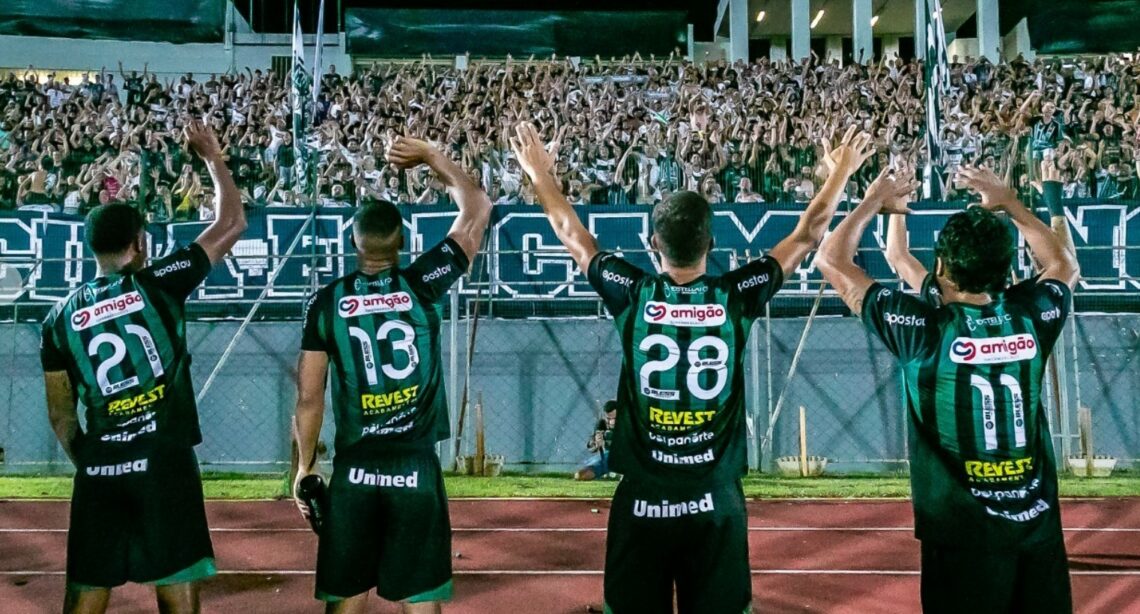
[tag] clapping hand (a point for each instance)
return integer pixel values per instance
(893, 189)
(994, 192)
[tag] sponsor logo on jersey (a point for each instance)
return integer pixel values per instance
(660, 394)
(105, 311)
(138, 466)
(669, 509)
(669, 289)
(364, 304)
(884, 293)
(678, 420)
(387, 402)
(681, 440)
(752, 282)
(684, 315)
(360, 285)
(1050, 315)
(616, 278)
(126, 437)
(364, 477)
(173, 267)
(1011, 470)
(683, 459)
(436, 274)
(137, 403)
(1039, 507)
(976, 323)
(1015, 494)
(895, 319)
(377, 430)
(993, 350)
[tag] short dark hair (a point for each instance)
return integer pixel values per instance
(110, 229)
(683, 225)
(378, 218)
(976, 247)
(610, 406)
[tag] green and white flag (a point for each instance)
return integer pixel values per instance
(299, 91)
(936, 76)
(318, 68)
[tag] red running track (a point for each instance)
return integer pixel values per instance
(546, 556)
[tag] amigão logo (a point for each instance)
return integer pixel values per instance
(993, 350)
(107, 310)
(354, 306)
(655, 312)
(684, 315)
(963, 351)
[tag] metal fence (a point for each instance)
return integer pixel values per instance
(541, 381)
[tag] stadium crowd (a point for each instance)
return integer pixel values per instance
(629, 130)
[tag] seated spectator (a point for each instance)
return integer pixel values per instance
(597, 463)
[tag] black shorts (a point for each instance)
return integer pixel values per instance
(958, 580)
(387, 527)
(137, 518)
(695, 538)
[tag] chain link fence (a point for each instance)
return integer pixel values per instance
(541, 381)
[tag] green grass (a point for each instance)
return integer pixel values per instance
(268, 486)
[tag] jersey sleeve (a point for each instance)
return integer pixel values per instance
(754, 284)
(931, 292)
(52, 357)
(179, 273)
(904, 323)
(312, 332)
(1048, 302)
(614, 279)
(436, 270)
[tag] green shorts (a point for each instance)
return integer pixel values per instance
(138, 517)
(387, 527)
(695, 538)
(968, 580)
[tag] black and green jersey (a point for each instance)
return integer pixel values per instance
(982, 465)
(681, 390)
(122, 340)
(382, 335)
(931, 292)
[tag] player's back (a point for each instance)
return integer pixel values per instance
(122, 339)
(980, 442)
(682, 377)
(381, 333)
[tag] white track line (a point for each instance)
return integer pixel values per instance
(603, 530)
(598, 572)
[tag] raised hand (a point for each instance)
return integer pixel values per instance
(532, 155)
(994, 192)
(202, 139)
(851, 152)
(406, 152)
(893, 189)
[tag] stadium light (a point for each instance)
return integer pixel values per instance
(874, 20)
(760, 16)
(818, 17)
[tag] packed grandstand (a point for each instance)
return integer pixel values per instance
(628, 130)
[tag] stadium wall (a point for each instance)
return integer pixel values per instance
(541, 381)
(255, 51)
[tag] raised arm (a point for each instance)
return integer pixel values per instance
(474, 206)
(842, 162)
(836, 256)
(1054, 260)
(1051, 187)
(229, 220)
(909, 269)
(539, 166)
